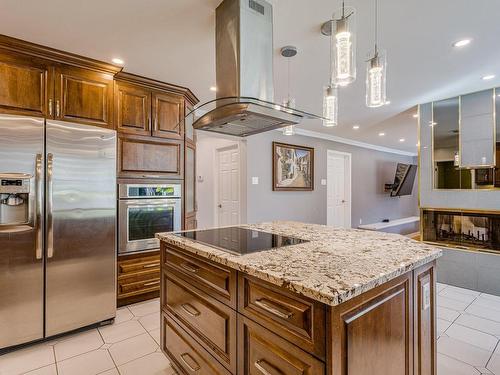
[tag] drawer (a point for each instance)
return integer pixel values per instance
(138, 284)
(214, 279)
(298, 319)
(264, 353)
(142, 264)
(209, 321)
(187, 356)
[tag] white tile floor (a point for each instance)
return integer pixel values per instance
(468, 344)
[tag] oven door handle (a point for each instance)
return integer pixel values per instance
(151, 202)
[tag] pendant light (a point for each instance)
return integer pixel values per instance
(330, 96)
(376, 66)
(342, 27)
(288, 102)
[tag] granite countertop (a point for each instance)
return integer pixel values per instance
(335, 266)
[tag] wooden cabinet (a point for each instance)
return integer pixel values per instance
(261, 351)
(138, 277)
(389, 330)
(132, 109)
(149, 158)
(40, 81)
(25, 85)
(168, 115)
(190, 206)
(83, 96)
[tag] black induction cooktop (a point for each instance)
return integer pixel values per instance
(240, 240)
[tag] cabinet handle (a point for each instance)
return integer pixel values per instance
(190, 309)
(151, 265)
(190, 267)
(58, 108)
(50, 107)
(193, 366)
(152, 283)
(258, 365)
(266, 305)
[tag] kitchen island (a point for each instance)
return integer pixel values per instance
(345, 302)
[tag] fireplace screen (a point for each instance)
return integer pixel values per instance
(462, 229)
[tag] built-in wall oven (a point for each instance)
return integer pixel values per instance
(144, 210)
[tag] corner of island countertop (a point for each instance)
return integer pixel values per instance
(336, 264)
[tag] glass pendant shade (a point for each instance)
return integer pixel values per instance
(376, 68)
(343, 46)
(330, 106)
(289, 103)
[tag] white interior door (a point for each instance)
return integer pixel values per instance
(339, 189)
(228, 195)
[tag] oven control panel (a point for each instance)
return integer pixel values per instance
(150, 191)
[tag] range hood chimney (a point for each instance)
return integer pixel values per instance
(244, 67)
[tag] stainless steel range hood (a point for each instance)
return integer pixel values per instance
(244, 67)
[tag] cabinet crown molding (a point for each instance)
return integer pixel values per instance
(36, 50)
(157, 85)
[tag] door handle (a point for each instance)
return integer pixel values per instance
(279, 312)
(50, 216)
(38, 207)
(220, 206)
(193, 366)
(259, 365)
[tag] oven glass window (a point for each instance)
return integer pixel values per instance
(145, 222)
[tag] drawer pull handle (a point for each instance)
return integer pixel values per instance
(190, 267)
(151, 265)
(193, 366)
(152, 283)
(266, 305)
(190, 309)
(259, 366)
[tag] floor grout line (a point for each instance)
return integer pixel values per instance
(491, 356)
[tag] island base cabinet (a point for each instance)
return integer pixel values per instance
(262, 352)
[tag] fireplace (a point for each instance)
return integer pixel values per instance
(463, 229)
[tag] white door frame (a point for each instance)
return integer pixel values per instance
(216, 180)
(347, 181)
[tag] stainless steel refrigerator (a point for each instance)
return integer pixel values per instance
(57, 227)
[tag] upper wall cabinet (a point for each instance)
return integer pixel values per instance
(40, 81)
(25, 85)
(132, 109)
(168, 113)
(84, 96)
(151, 108)
(477, 129)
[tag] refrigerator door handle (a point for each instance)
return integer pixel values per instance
(50, 218)
(38, 207)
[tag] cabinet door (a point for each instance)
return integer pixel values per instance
(190, 180)
(84, 96)
(26, 85)
(147, 158)
(168, 113)
(188, 124)
(132, 109)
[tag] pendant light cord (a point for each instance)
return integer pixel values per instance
(288, 88)
(376, 27)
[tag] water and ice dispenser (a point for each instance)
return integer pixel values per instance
(14, 198)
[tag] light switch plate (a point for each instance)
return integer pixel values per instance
(323, 181)
(255, 180)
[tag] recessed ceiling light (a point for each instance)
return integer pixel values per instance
(381, 134)
(213, 88)
(402, 139)
(415, 115)
(355, 127)
(488, 77)
(462, 43)
(118, 61)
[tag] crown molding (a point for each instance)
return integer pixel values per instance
(351, 142)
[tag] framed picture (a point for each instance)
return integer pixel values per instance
(293, 167)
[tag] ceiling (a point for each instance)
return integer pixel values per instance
(174, 41)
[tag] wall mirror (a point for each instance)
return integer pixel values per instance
(465, 130)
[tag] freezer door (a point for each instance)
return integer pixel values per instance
(21, 241)
(80, 226)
